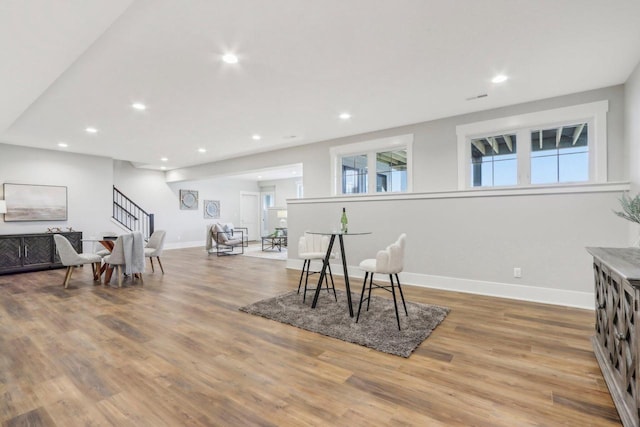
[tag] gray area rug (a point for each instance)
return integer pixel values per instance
(376, 328)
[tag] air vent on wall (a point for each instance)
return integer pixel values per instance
(483, 95)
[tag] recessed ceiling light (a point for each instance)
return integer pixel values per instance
(256, 137)
(345, 116)
(139, 106)
(163, 167)
(499, 78)
(164, 159)
(293, 172)
(259, 176)
(230, 58)
(91, 130)
(62, 144)
(202, 150)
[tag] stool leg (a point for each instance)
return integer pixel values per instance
(364, 286)
(402, 295)
(370, 284)
(304, 264)
(395, 303)
(332, 284)
(306, 281)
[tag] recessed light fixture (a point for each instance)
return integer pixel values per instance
(259, 176)
(202, 150)
(256, 137)
(345, 116)
(163, 167)
(293, 172)
(62, 144)
(138, 106)
(91, 130)
(499, 78)
(164, 159)
(230, 58)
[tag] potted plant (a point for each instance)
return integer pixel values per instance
(630, 211)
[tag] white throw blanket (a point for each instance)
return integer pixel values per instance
(133, 245)
(209, 242)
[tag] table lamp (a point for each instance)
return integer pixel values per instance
(283, 218)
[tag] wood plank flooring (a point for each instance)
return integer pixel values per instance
(177, 352)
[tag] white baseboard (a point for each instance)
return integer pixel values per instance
(494, 289)
(182, 245)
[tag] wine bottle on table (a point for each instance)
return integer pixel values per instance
(344, 221)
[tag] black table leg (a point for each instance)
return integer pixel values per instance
(324, 270)
(346, 276)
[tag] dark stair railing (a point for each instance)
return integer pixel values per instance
(130, 215)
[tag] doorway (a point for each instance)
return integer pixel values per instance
(250, 213)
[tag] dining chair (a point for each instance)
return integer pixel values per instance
(70, 258)
(102, 236)
(127, 253)
(154, 248)
(313, 247)
(388, 261)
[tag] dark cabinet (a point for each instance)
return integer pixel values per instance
(30, 252)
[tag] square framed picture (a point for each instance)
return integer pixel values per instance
(188, 200)
(212, 208)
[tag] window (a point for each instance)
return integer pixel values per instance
(565, 145)
(377, 166)
(391, 171)
(494, 161)
(560, 154)
(354, 174)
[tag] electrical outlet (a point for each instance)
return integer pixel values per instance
(517, 272)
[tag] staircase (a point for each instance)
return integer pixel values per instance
(130, 215)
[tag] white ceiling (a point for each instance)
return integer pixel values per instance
(72, 64)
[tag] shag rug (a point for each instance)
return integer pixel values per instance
(377, 328)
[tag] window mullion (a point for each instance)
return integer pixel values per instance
(371, 165)
(524, 156)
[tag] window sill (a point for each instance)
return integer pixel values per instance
(609, 187)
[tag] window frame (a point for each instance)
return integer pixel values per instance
(594, 114)
(370, 148)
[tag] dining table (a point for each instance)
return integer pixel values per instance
(332, 237)
(107, 242)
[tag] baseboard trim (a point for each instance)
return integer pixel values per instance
(494, 289)
(182, 245)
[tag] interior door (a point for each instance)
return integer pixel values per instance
(250, 213)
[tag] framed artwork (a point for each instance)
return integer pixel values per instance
(188, 200)
(27, 202)
(212, 208)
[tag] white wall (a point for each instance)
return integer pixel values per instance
(434, 148)
(473, 243)
(284, 189)
(184, 227)
(88, 179)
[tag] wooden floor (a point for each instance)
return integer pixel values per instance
(177, 352)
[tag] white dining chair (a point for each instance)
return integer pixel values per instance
(154, 248)
(313, 247)
(388, 261)
(70, 258)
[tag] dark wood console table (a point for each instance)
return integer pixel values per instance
(615, 344)
(29, 252)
